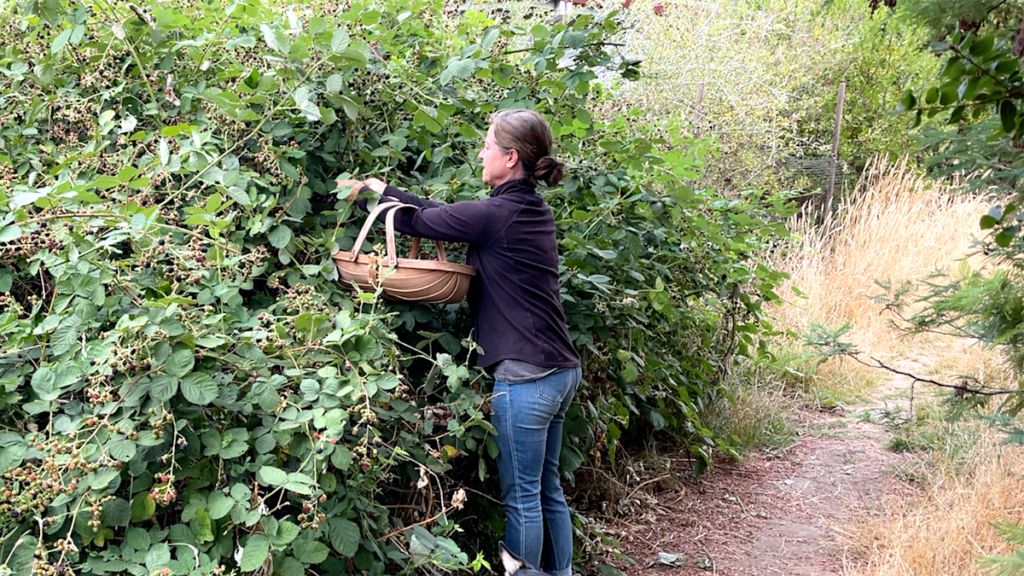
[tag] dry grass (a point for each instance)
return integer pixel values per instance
(897, 227)
(894, 227)
(942, 529)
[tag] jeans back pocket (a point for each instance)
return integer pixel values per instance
(556, 386)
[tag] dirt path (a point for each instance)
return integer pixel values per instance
(783, 514)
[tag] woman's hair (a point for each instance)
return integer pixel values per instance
(528, 133)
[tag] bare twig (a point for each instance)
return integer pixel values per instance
(642, 484)
(961, 389)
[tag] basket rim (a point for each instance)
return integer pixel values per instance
(342, 257)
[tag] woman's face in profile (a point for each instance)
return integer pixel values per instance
(496, 162)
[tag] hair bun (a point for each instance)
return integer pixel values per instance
(549, 170)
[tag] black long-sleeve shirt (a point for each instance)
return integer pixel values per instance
(514, 297)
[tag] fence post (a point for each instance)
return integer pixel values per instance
(835, 151)
(696, 110)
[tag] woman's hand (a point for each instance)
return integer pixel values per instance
(356, 186)
(375, 185)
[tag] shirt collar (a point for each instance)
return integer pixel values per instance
(521, 185)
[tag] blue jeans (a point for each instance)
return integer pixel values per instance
(528, 417)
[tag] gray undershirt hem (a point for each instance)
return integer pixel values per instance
(517, 371)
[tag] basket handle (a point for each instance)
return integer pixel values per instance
(354, 253)
(389, 225)
(415, 249)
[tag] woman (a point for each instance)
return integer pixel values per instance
(518, 321)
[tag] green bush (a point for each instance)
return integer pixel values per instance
(186, 386)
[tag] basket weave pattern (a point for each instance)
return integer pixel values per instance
(404, 279)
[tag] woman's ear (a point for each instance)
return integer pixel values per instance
(513, 158)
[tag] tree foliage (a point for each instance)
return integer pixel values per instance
(770, 102)
(185, 386)
(979, 94)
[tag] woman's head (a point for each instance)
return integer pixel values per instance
(518, 145)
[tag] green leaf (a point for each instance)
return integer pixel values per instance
(1008, 116)
(60, 41)
(143, 507)
(180, 362)
(298, 487)
(931, 96)
(127, 174)
(1007, 67)
(982, 46)
(286, 532)
(490, 35)
(210, 341)
(266, 443)
(352, 56)
(341, 458)
(949, 95)
(339, 41)
(907, 102)
(311, 552)
(204, 527)
(345, 536)
(159, 556)
(657, 420)
(101, 478)
(123, 450)
(44, 384)
(199, 388)
(220, 504)
(318, 25)
(1003, 239)
(9, 233)
(988, 222)
(350, 107)
(630, 373)
(137, 538)
(956, 116)
(310, 110)
(292, 567)
(422, 118)
(421, 544)
(334, 83)
(458, 68)
(163, 387)
(276, 39)
(388, 381)
(272, 476)
(257, 548)
(66, 335)
(280, 236)
(118, 513)
(571, 459)
(253, 79)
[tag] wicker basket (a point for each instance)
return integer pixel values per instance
(404, 279)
